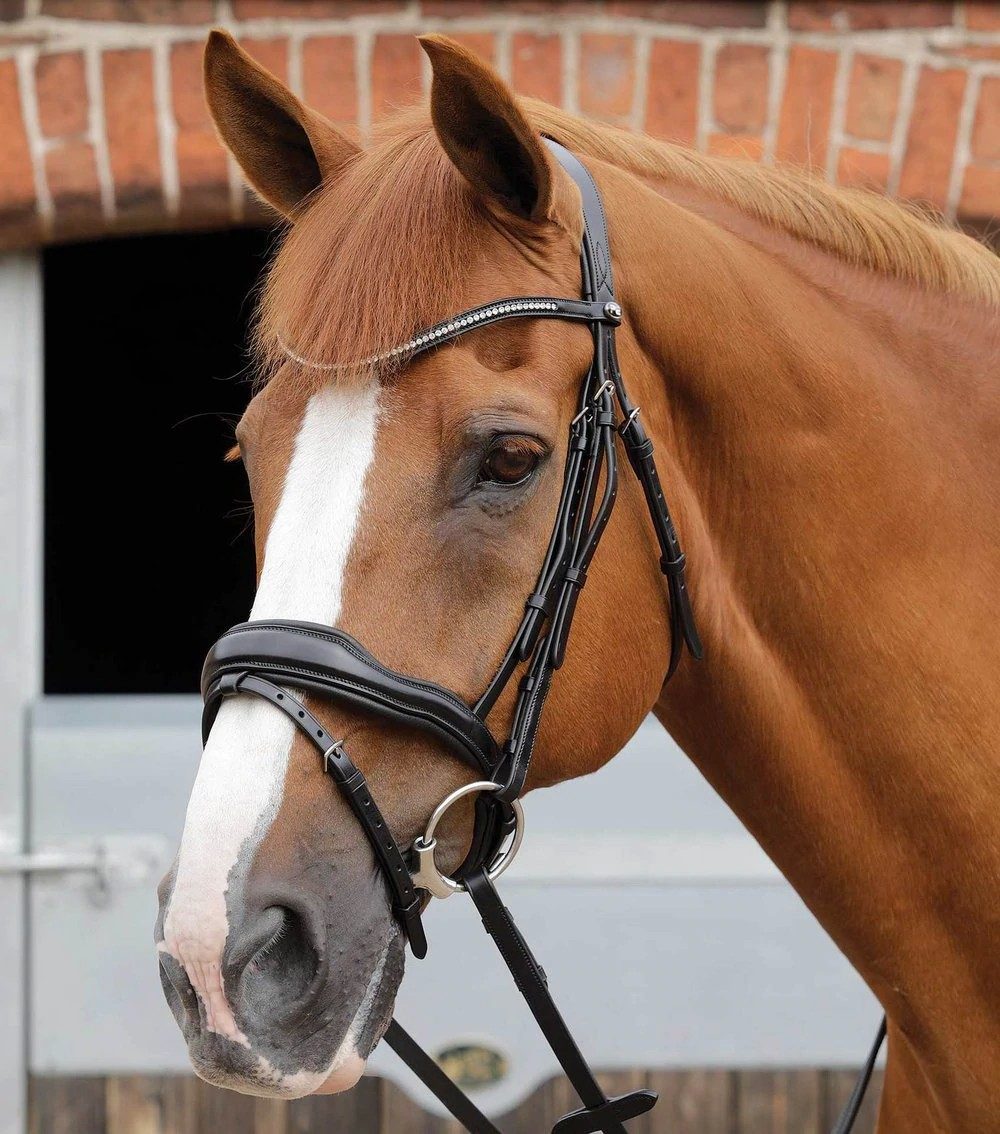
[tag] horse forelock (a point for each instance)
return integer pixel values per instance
(386, 249)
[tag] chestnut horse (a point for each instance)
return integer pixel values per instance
(818, 368)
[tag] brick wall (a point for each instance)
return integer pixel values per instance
(103, 127)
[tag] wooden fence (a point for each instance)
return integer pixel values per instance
(800, 1101)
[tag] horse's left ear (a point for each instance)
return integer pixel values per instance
(485, 133)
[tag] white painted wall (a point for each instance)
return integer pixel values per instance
(20, 634)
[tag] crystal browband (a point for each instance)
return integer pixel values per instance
(536, 306)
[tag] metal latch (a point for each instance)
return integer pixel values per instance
(101, 864)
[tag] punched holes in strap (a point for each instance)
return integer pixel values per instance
(406, 902)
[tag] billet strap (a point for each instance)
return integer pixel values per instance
(639, 448)
(332, 663)
(582, 516)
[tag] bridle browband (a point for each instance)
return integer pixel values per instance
(268, 658)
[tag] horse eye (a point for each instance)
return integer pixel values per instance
(509, 460)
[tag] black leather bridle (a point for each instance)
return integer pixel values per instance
(268, 658)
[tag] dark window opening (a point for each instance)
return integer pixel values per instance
(148, 536)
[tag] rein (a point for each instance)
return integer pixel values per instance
(266, 658)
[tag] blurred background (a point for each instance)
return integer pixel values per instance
(128, 249)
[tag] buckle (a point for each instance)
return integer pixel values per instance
(607, 387)
(428, 877)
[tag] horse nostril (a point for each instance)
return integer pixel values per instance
(178, 990)
(272, 958)
(255, 937)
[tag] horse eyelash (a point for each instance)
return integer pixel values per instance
(266, 950)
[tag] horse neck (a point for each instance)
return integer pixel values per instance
(831, 463)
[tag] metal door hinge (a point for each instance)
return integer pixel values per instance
(101, 864)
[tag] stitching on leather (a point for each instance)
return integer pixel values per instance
(412, 683)
(445, 724)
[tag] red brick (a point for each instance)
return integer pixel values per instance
(201, 162)
(453, 8)
(750, 146)
(537, 66)
(741, 78)
(859, 167)
(982, 15)
(607, 75)
(17, 185)
(986, 129)
(396, 73)
(931, 141)
(867, 15)
(980, 192)
(271, 54)
(71, 174)
(132, 11)
(438, 8)
(804, 123)
(130, 122)
(329, 77)
(61, 87)
(695, 13)
(975, 52)
(873, 98)
(311, 9)
(672, 100)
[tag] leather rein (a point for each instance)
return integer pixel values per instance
(267, 658)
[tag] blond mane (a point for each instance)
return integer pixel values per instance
(349, 283)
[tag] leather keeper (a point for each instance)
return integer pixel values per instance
(538, 601)
(229, 684)
(639, 450)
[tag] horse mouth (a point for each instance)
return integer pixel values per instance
(317, 1054)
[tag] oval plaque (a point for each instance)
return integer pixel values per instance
(471, 1065)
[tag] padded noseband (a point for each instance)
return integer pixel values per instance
(331, 663)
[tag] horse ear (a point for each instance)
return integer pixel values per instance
(485, 133)
(285, 149)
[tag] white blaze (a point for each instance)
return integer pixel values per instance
(240, 780)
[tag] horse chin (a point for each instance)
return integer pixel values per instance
(344, 1078)
(369, 1025)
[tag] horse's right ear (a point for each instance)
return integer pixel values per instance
(285, 149)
